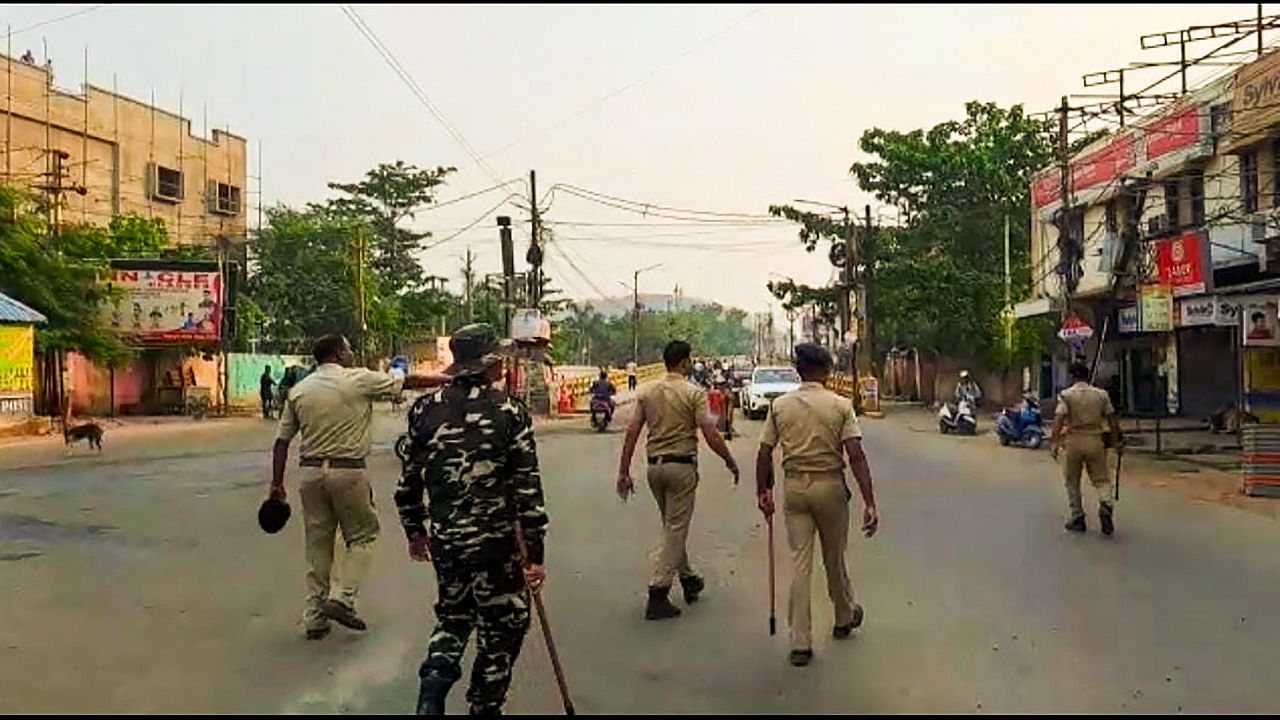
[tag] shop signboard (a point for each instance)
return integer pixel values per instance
(1182, 264)
(1127, 319)
(1155, 312)
(165, 303)
(1074, 330)
(1197, 311)
(1226, 311)
(1258, 317)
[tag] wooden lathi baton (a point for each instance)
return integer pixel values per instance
(773, 620)
(561, 683)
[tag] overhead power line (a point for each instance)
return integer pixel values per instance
(418, 92)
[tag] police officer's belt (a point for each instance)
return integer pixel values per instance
(340, 463)
(677, 459)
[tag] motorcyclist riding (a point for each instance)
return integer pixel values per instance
(968, 390)
(603, 391)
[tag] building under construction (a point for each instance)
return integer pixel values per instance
(98, 154)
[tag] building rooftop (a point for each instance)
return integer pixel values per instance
(12, 311)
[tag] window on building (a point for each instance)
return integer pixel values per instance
(224, 199)
(166, 183)
(1249, 181)
(1195, 181)
(1172, 208)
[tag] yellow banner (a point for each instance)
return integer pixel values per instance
(17, 347)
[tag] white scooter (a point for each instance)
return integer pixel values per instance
(958, 419)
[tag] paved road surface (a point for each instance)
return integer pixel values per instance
(138, 582)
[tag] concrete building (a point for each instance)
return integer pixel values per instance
(1176, 220)
(113, 155)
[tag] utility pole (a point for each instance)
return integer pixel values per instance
(55, 188)
(535, 245)
(1008, 311)
(508, 270)
(1064, 196)
(635, 312)
(468, 276)
(364, 327)
(847, 295)
(866, 289)
(791, 332)
(635, 318)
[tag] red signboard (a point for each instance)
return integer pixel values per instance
(1095, 169)
(1182, 264)
(1173, 133)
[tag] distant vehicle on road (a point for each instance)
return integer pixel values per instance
(767, 384)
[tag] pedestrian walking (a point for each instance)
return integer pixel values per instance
(675, 410)
(815, 429)
(266, 391)
(332, 408)
(631, 375)
(1083, 414)
(473, 454)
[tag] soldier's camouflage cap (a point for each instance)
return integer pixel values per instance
(475, 349)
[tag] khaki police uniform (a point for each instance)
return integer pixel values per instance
(673, 408)
(809, 426)
(332, 409)
(1086, 410)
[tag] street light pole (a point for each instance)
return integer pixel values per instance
(635, 312)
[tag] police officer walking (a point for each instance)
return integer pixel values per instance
(815, 428)
(473, 453)
(332, 409)
(1082, 409)
(675, 410)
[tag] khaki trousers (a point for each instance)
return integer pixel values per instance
(817, 502)
(334, 499)
(674, 486)
(1086, 451)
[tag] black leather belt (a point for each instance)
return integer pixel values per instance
(677, 459)
(340, 463)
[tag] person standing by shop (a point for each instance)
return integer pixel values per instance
(332, 408)
(1078, 424)
(815, 429)
(675, 410)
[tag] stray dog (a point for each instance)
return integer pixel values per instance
(90, 431)
(1228, 419)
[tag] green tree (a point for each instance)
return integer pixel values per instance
(390, 194)
(939, 278)
(59, 273)
(305, 279)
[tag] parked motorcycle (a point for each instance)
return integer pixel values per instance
(958, 418)
(1022, 425)
(600, 414)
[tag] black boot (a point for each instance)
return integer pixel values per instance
(692, 586)
(840, 632)
(1076, 525)
(486, 710)
(660, 607)
(432, 691)
(1104, 516)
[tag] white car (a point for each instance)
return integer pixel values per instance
(766, 384)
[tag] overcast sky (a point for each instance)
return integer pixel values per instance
(725, 108)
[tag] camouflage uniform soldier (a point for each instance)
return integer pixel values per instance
(473, 452)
